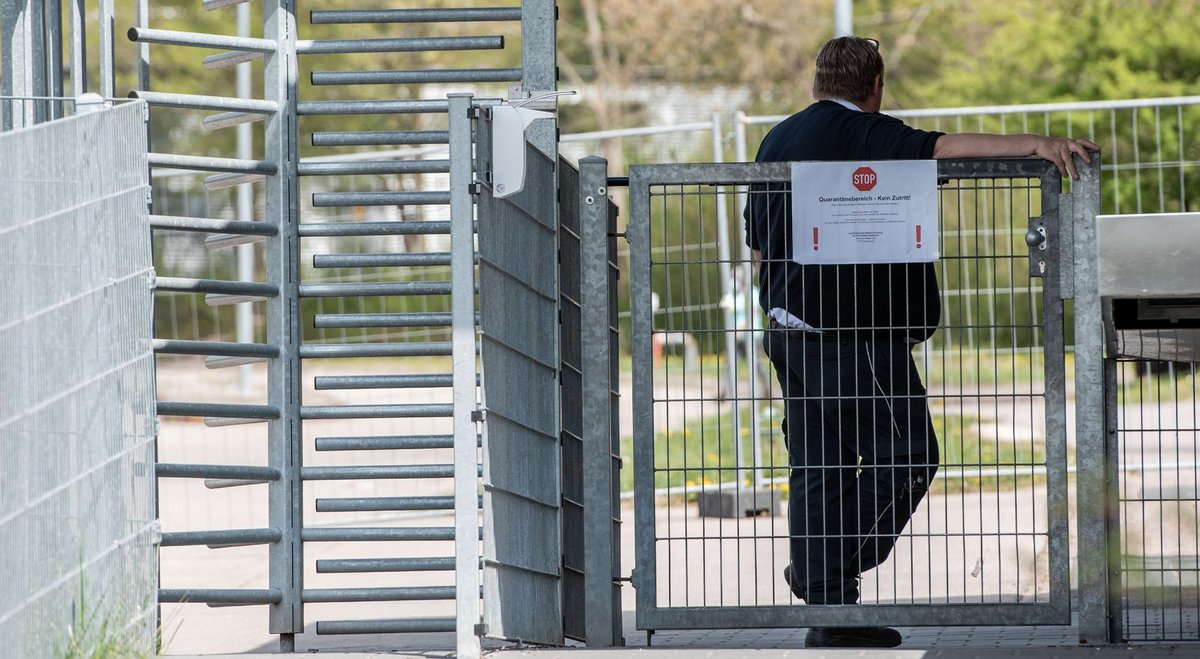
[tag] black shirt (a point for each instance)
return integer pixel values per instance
(899, 299)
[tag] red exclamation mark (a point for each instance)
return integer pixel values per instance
(816, 240)
(918, 236)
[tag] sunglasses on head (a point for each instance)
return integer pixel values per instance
(874, 42)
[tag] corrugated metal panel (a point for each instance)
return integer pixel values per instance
(518, 305)
(572, 402)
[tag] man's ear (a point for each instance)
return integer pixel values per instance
(877, 88)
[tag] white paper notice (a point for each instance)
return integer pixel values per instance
(864, 212)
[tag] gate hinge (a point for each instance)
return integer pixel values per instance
(476, 416)
(481, 629)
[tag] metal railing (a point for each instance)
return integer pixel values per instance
(1146, 155)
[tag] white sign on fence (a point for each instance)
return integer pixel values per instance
(864, 212)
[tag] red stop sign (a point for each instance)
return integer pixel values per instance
(864, 179)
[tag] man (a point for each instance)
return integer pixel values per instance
(860, 439)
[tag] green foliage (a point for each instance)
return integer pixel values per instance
(180, 69)
(684, 263)
(974, 461)
(1155, 383)
(702, 451)
(959, 52)
(100, 632)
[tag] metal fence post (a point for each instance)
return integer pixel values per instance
(108, 81)
(637, 234)
(22, 62)
(539, 69)
(754, 362)
(143, 50)
(284, 384)
(1112, 477)
(54, 55)
(601, 546)
(727, 293)
(245, 193)
(466, 454)
(1090, 449)
(538, 38)
(78, 27)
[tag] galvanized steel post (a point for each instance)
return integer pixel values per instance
(284, 386)
(1090, 431)
(602, 611)
(78, 27)
(756, 356)
(54, 55)
(539, 69)
(143, 49)
(108, 84)
(462, 302)
(728, 317)
(637, 234)
(22, 62)
(1112, 477)
(538, 38)
(245, 193)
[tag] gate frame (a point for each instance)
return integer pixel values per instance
(1057, 220)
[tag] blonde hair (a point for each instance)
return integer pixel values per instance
(846, 68)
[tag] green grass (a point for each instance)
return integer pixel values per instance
(702, 452)
(964, 449)
(1138, 386)
(951, 369)
(100, 632)
(1158, 582)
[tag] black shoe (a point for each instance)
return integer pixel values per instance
(797, 590)
(852, 637)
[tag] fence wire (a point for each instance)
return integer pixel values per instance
(77, 517)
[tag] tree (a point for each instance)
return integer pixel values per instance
(765, 45)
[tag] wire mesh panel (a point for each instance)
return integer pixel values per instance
(1158, 431)
(77, 530)
(1149, 164)
(715, 480)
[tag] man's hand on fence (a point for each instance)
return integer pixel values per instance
(1058, 150)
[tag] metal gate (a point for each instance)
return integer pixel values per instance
(368, 477)
(989, 544)
(373, 469)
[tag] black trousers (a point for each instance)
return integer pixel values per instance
(862, 452)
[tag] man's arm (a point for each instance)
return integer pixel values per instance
(1057, 150)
